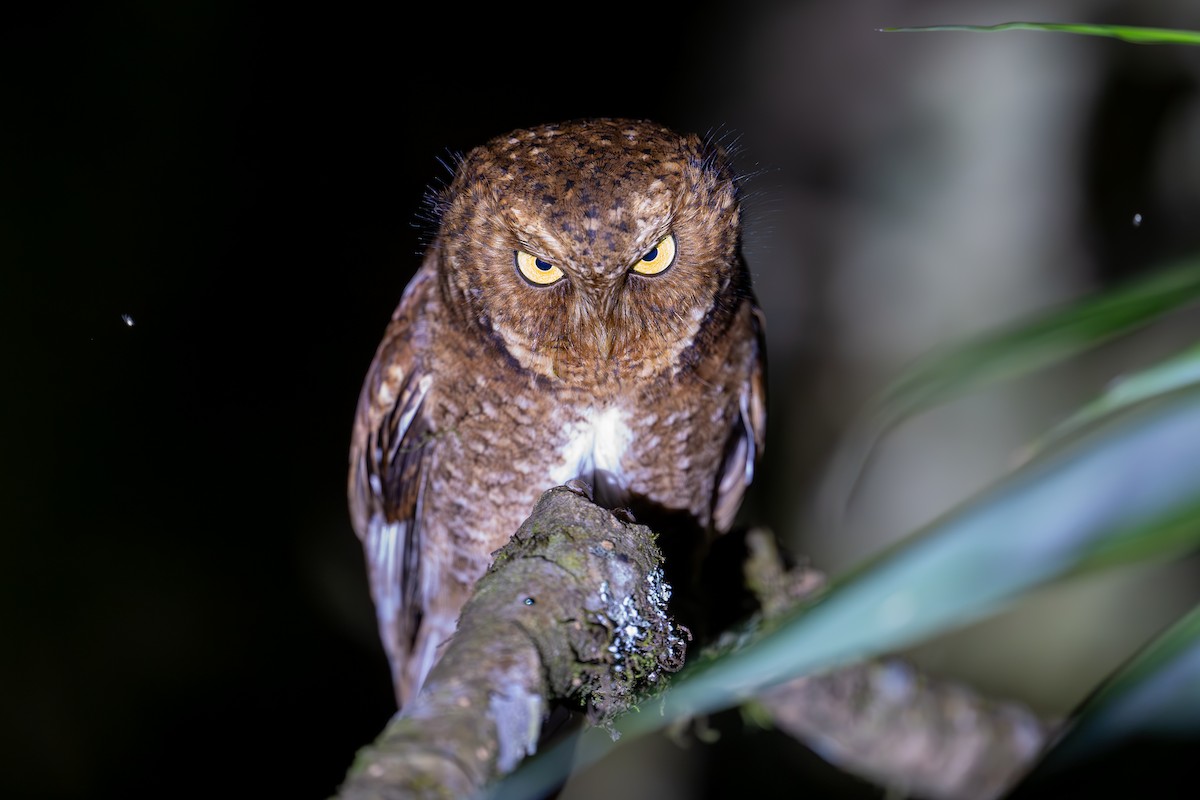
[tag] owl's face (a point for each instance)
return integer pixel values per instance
(591, 248)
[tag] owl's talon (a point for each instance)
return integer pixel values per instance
(624, 514)
(580, 487)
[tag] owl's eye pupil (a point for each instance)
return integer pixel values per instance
(544, 266)
(653, 254)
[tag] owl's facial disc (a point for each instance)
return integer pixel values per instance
(586, 249)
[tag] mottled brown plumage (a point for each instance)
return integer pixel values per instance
(551, 334)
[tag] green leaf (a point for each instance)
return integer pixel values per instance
(1044, 340)
(1012, 352)
(1127, 484)
(1155, 696)
(1127, 33)
(1178, 372)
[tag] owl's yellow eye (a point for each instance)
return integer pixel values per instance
(657, 258)
(537, 271)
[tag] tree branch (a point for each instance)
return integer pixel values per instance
(573, 610)
(886, 722)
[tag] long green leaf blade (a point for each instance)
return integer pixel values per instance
(1127, 33)
(1037, 343)
(1009, 353)
(1173, 374)
(1155, 697)
(1126, 482)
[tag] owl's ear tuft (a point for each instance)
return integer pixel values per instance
(437, 196)
(719, 147)
(438, 192)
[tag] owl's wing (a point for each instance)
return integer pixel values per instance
(387, 455)
(748, 438)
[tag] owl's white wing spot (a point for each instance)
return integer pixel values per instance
(751, 454)
(384, 546)
(385, 395)
(746, 440)
(414, 405)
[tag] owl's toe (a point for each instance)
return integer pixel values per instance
(624, 514)
(580, 487)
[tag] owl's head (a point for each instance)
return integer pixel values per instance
(591, 248)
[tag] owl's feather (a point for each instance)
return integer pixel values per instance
(386, 482)
(747, 439)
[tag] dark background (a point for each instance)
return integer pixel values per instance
(184, 606)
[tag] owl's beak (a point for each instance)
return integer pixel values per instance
(604, 340)
(604, 334)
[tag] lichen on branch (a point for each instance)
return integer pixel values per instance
(572, 611)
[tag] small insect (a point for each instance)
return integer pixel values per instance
(128, 320)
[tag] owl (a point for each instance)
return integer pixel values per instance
(583, 312)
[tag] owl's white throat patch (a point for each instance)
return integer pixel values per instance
(593, 448)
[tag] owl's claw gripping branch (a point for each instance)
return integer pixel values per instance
(572, 611)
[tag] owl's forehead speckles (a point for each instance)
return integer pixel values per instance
(603, 185)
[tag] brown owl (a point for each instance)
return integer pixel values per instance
(583, 312)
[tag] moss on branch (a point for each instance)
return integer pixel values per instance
(573, 610)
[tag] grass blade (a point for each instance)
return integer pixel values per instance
(1178, 372)
(1040, 342)
(1126, 33)
(1155, 697)
(1009, 353)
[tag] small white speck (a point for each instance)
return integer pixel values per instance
(1137, 220)
(128, 320)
